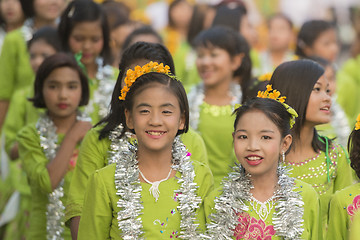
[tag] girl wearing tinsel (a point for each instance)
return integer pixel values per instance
(153, 190)
(221, 54)
(84, 31)
(48, 149)
(345, 203)
(258, 200)
(315, 159)
(99, 141)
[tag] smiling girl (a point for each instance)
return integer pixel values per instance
(48, 149)
(154, 178)
(314, 159)
(258, 200)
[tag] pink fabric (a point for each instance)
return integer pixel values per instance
(251, 228)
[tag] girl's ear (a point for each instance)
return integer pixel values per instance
(286, 143)
(237, 60)
(129, 119)
(182, 122)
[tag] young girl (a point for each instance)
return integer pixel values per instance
(154, 179)
(48, 149)
(99, 142)
(314, 159)
(345, 203)
(219, 56)
(317, 38)
(15, 67)
(259, 200)
(84, 30)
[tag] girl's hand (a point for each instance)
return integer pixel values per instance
(79, 129)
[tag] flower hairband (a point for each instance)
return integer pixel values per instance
(132, 75)
(357, 124)
(275, 94)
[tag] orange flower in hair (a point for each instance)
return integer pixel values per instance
(357, 124)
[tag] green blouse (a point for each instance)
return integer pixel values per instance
(94, 155)
(216, 127)
(15, 68)
(251, 226)
(343, 206)
(160, 220)
(34, 164)
(314, 172)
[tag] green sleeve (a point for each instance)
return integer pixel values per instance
(337, 228)
(97, 216)
(92, 156)
(15, 66)
(205, 181)
(33, 159)
(210, 204)
(195, 145)
(344, 175)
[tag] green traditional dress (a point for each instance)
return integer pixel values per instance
(326, 176)
(254, 224)
(355, 229)
(160, 220)
(34, 163)
(343, 206)
(94, 155)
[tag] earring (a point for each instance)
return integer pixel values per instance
(283, 157)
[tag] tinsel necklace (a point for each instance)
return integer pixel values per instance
(55, 207)
(27, 29)
(102, 94)
(196, 98)
(128, 187)
(289, 210)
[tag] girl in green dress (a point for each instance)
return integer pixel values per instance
(48, 149)
(346, 203)
(152, 190)
(84, 31)
(258, 200)
(222, 54)
(314, 159)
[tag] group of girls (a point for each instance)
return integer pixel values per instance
(158, 165)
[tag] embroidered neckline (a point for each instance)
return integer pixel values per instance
(55, 207)
(287, 219)
(128, 187)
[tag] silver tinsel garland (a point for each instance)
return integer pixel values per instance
(27, 29)
(55, 207)
(129, 189)
(103, 93)
(196, 98)
(287, 219)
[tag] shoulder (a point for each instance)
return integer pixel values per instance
(200, 168)
(305, 189)
(351, 190)
(15, 35)
(28, 131)
(92, 136)
(106, 175)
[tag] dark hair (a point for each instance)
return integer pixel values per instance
(142, 83)
(144, 30)
(309, 32)
(255, 85)
(51, 63)
(296, 80)
(233, 43)
(47, 34)
(197, 21)
(79, 11)
(117, 13)
(137, 51)
(28, 8)
(230, 15)
(273, 109)
(281, 16)
(354, 150)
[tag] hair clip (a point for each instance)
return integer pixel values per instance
(71, 12)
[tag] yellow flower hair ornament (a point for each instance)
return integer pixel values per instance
(275, 94)
(132, 75)
(357, 124)
(265, 77)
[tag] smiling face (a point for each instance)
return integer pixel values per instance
(258, 143)
(318, 109)
(62, 92)
(87, 37)
(215, 65)
(156, 118)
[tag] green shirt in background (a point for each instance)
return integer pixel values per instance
(160, 220)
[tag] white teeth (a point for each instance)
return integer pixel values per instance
(253, 158)
(155, 133)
